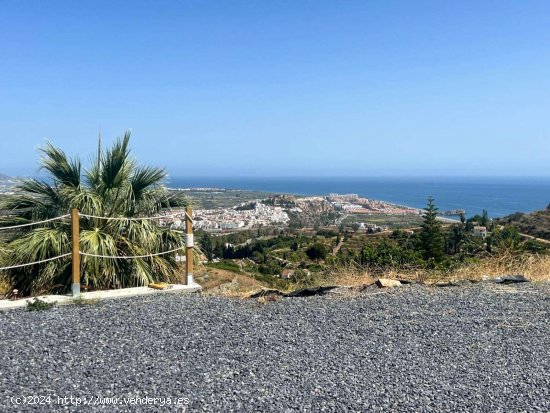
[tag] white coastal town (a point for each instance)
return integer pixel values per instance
(275, 210)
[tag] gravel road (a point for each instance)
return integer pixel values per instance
(480, 348)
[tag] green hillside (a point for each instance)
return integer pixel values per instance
(535, 223)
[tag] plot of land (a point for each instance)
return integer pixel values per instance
(223, 199)
(392, 221)
(480, 348)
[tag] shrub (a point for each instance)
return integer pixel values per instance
(226, 265)
(39, 305)
(317, 251)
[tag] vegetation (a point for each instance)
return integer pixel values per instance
(393, 221)
(317, 251)
(223, 198)
(389, 254)
(114, 185)
(536, 224)
(5, 285)
(227, 265)
(434, 251)
(433, 243)
(80, 301)
(39, 305)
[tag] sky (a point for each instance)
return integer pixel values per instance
(281, 88)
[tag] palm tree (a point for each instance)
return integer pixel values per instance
(113, 186)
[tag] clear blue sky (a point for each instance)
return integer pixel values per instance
(281, 88)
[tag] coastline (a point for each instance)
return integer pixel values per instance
(499, 196)
(445, 219)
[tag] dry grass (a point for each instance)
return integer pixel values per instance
(5, 287)
(533, 267)
(215, 278)
(229, 284)
(269, 298)
(354, 277)
(350, 276)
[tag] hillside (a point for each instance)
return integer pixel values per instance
(535, 223)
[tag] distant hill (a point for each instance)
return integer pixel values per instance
(535, 223)
(4, 177)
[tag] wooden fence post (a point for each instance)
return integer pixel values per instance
(188, 246)
(75, 222)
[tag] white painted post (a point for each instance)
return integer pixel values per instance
(188, 246)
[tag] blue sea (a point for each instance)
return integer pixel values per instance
(499, 196)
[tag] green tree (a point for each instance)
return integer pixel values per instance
(113, 186)
(317, 251)
(507, 238)
(456, 237)
(484, 218)
(217, 247)
(489, 244)
(206, 245)
(303, 277)
(433, 242)
(389, 254)
(258, 257)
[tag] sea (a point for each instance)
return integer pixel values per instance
(498, 195)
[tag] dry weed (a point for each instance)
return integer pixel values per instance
(533, 266)
(5, 287)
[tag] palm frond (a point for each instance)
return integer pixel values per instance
(36, 245)
(174, 200)
(93, 177)
(144, 178)
(115, 164)
(35, 200)
(99, 272)
(62, 169)
(87, 202)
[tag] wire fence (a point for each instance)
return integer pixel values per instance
(135, 218)
(188, 238)
(131, 257)
(124, 218)
(31, 224)
(12, 267)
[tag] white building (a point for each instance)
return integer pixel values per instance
(480, 231)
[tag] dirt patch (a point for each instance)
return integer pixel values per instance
(222, 282)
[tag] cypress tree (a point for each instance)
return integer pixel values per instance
(484, 218)
(433, 242)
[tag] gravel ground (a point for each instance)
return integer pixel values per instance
(481, 348)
